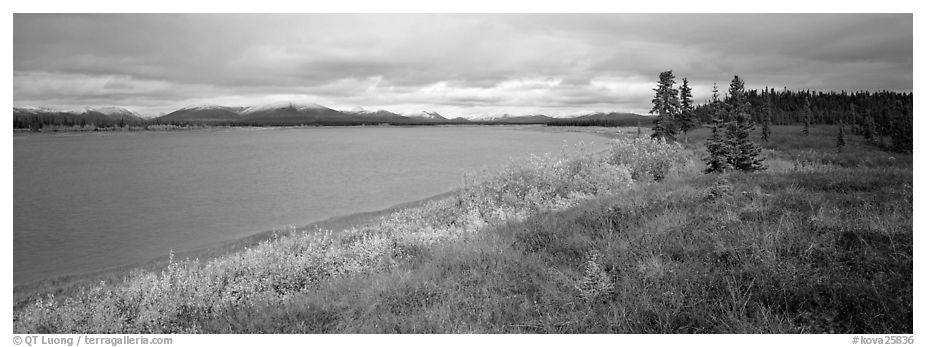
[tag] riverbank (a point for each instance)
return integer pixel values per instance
(60, 285)
(195, 128)
(70, 284)
(632, 240)
(135, 196)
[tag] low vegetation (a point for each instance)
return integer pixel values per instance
(634, 239)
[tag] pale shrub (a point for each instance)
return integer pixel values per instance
(650, 159)
(542, 183)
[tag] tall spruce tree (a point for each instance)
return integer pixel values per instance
(686, 116)
(665, 107)
(718, 147)
(744, 154)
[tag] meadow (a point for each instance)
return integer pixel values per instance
(632, 239)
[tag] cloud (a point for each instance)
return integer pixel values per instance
(454, 63)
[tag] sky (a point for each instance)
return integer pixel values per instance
(469, 65)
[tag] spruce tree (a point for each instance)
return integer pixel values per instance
(766, 131)
(665, 107)
(744, 154)
(686, 117)
(717, 107)
(806, 112)
(718, 147)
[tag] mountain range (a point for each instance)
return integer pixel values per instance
(293, 113)
(286, 113)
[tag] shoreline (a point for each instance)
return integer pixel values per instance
(69, 282)
(211, 128)
(66, 283)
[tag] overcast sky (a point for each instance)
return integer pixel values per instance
(458, 65)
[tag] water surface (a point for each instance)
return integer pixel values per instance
(86, 202)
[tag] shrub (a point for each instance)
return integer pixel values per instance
(649, 159)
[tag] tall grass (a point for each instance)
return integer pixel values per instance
(632, 239)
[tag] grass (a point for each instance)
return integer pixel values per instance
(631, 240)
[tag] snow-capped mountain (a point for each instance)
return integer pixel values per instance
(204, 113)
(301, 107)
(34, 110)
(511, 119)
(112, 111)
(210, 107)
(360, 111)
(428, 115)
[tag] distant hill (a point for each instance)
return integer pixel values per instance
(204, 114)
(291, 113)
(531, 119)
(28, 117)
(379, 115)
(605, 119)
(427, 116)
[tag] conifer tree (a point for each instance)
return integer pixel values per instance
(806, 112)
(744, 154)
(665, 107)
(718, 147)
(766, 131)
(686, 117)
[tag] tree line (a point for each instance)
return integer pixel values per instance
(877, 116)
(789, 107)
(734, 116)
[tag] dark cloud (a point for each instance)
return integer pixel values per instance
(469, 64)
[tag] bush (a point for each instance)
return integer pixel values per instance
(649, 159)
